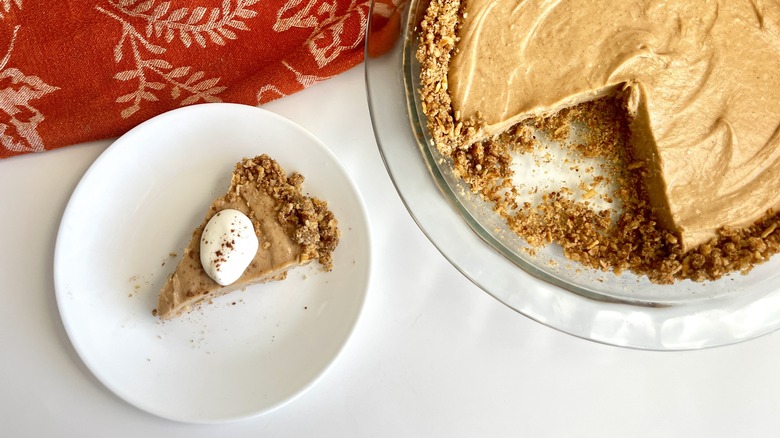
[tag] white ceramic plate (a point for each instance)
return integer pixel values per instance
(245, 353)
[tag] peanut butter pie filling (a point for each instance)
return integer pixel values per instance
(681, 96)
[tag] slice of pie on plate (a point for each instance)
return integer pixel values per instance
(292, 229)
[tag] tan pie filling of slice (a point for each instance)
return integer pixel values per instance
(292, 230)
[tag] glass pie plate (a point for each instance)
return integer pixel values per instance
(624, 310)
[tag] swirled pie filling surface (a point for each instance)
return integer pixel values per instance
(702, 84)
(700, 100)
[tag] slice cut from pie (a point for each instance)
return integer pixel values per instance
(292, 230)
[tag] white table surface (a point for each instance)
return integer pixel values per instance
(432, 355)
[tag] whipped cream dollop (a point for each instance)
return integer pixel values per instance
(227, 246)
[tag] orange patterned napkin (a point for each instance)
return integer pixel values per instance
(80, 70)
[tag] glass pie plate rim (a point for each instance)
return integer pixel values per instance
(742, 307)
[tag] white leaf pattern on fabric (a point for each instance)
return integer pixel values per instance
(304, 79)
(196, 27)
(386, 10)
(6, 5)
(19, 119)
(269, 89)
(328, 37)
